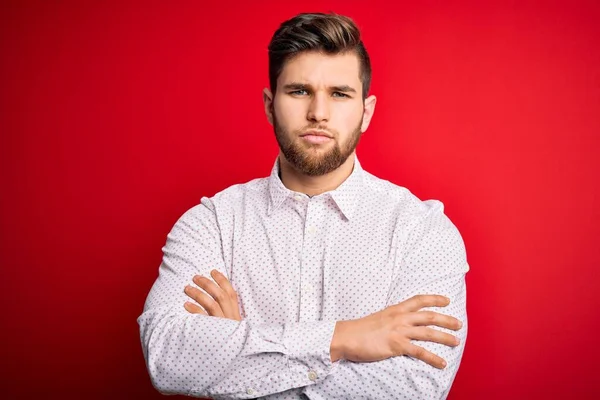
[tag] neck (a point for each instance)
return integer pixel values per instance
(314, 185)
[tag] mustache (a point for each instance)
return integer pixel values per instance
(320, 128)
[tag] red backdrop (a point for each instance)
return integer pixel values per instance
(117, 117)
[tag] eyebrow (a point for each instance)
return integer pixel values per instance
(304, 86)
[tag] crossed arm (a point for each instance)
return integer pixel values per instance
(226, 357)
(384, 334)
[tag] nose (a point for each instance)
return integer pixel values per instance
(318, 109)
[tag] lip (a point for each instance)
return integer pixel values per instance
(316, 133)
(316, 138)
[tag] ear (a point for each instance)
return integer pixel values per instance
(268, 101)
(368, 112)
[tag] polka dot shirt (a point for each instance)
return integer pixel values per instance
(299, 264)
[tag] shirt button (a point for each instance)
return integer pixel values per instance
(312, 375)
(250, 391)
(298, 197)
(312, 229)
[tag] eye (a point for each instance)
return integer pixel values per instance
(340, 94)
(299, 92)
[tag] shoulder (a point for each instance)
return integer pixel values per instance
(426, 233)
(237, 194)
(415, 219)
(212, 212)
(236, 201)
(409, 208)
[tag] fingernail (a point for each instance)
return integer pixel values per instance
(443, 364)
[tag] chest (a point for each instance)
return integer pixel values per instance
(311, 266)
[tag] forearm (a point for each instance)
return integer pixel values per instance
(399, 376)
(216, 357)
(393, 378)
(396, 377)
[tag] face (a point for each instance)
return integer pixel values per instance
(318, 112)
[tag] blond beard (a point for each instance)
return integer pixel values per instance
(307, 161)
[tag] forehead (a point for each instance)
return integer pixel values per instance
(322, 69)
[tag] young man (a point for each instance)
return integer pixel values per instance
(326, 281)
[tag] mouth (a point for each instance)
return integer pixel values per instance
(316, 137)
(315, 133)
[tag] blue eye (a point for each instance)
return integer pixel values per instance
(299, 92)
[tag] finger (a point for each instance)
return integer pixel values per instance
(207, 302)
(223, 282)
(433, 318)
(227, 288)
(432, 335)
(194, 308)
(419, 301)
(217, 293)
(420, 353)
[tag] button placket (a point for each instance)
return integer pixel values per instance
(308, 289)
(310, 303)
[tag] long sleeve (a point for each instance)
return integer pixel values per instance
(432, 260)
(214, 357)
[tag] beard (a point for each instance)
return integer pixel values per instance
(308, 158)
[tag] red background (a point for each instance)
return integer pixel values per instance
(117, 117)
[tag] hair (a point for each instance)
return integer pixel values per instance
(319, 32)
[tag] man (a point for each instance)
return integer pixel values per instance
(320, 281)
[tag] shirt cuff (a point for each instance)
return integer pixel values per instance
(309, 345)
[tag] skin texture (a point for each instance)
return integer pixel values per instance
(324, 93)
(321, 94)
(218, 299)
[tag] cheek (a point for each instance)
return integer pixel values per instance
(350, 118)
(288, 114)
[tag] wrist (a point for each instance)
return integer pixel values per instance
(337, 349)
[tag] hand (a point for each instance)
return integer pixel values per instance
(389, 332)
(224, 300)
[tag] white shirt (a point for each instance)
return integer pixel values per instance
(300, 264)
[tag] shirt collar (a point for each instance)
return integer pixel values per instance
(346, 196)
